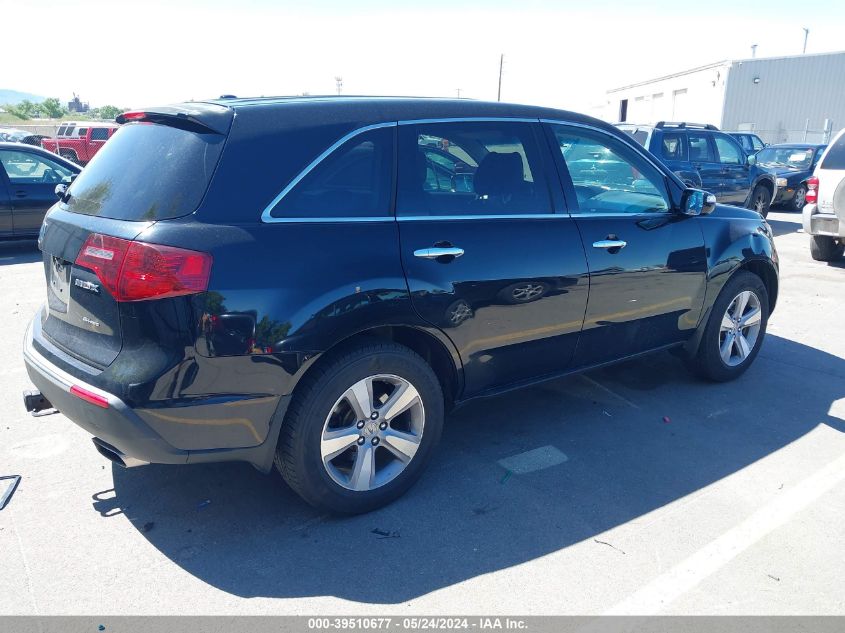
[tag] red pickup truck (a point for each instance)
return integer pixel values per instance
(79, 142)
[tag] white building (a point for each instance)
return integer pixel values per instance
(782, 99)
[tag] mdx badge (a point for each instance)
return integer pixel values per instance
(87, 285)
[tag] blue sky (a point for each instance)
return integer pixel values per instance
(562, 54)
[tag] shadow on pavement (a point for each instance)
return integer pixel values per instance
(465, 518)
(19, 252)
(781, 227)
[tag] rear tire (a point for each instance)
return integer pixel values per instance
(69, 155)
(761, 200)
(726, 348)
(824, 248)
(346, 456)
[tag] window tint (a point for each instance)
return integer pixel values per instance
(69, 130)
(61, 131)
(353, 181)
(82, 131)
(835, 158)
(99, 134)
(729, 151)
(470, 168)
(609, 176)
(672, 147)
(699, 149)
(25, 168)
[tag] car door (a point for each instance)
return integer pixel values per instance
(647, 262)
(7, 227)
(702, 157)
(495, 261)
(736, 177)
(32, 182)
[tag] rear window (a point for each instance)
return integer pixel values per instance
(835, 158)
(147, 172)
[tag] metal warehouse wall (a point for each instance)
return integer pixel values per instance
(790, 91)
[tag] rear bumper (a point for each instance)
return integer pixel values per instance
(816, 223)
(122, 430)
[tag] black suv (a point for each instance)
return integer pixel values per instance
(702, 156)
(315, 281)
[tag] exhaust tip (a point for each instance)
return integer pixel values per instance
(115, 456)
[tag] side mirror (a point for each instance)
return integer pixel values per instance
(697, 202)
(752, 160)
(61, 190)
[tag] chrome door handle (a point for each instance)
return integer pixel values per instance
(435, 252)
(610, 244)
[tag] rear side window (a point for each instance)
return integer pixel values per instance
(470, 169)
(835, 158)
(99, 134)
(147, 172)
(672, 147)
(61, 131)
(354, 181)
(700, 149)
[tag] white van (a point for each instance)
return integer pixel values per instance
(824, 213)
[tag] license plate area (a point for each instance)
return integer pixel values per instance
(59, 275)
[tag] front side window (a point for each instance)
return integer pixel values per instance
(609, 176)
(729, 151)
(24, 168)
(756, 144)
(700, 150)
(353, 181)
(470, 169)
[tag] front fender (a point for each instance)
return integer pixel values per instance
(735, 239)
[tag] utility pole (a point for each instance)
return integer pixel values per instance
(339, 83)
(806, 33)
(501, 63)
(753, 51)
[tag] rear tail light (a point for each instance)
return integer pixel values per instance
(134, 271)
(812, 196)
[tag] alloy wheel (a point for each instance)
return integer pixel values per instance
(372, 432)
(740, 328)
(527, 292)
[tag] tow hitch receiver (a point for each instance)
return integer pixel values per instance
(37, 404)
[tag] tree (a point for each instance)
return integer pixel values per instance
(53, 108)
(109, 111)
(24, 110)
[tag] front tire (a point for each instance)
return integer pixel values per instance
(734, 331)
(361, 428)
(824, 248)
(761, 200)
(799, 198)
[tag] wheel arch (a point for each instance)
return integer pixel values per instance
(440, 355)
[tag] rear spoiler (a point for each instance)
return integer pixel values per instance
(199, 117)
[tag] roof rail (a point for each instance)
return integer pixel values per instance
(684, 124)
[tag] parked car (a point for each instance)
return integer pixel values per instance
(750, 142)
(250, 298)
(792, 164)
(702, 156)
(12, 135)
(28, 179)
(824, 213)
(79, 142)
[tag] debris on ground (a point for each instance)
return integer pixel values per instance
(506, 477)
(773, 577)
(8, 485)
(666, 419)
(148, 526)
(203, 504)
(384, 533)
(607, 414)
(608, 544)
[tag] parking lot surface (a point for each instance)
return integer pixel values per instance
(632, 489)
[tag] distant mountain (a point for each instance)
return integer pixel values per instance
(13, 97)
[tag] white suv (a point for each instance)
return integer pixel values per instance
(824, 214)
